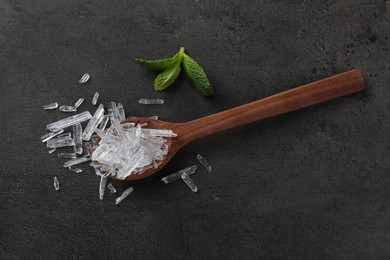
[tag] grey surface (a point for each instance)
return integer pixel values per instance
(312, 184)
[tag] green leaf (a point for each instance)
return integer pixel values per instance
(197, 75)
(167, 77)
(162, 64)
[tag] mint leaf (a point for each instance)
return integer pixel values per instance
(197, 75)
(162, 64)
(167, 77)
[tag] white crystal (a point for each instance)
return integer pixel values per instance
(64, 135)
(75, 169)
(204, 162)
(104, 122)
(156, 101)
(56, 184)
(102, 186)
(95, 98)
(121, 112)
(158, 132)
(114, 110)
(78, 141)
(111, 188)
(69, 121)
(93, 123)
(77, 161)
(78, 102)
(52, 150)
(189, 182)
(124, 149)
(50, 135)
(177, 175)
(60, 142)
(67, 109)
(50, 106)
(84, 78)
(67, 155)
(124, 195)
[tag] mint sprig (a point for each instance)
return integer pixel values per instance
(172, 68)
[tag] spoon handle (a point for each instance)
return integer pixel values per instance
(313, 93)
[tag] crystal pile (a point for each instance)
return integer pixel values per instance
(127, 149)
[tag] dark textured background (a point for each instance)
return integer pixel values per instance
(311, 184)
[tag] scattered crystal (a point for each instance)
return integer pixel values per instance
(204, 162)
(111, 188)
(77, 161)
(69, 121)
(78, 141)
(189, 182)
(67, 109)
(84, 78)
(124, 195)
(104, 123)
(95, 98)
(102, 186)
(145, 101)
(114, 110)
(78, 102)
(67, 155)
(121, 112)
(154, 117)
(50, 106)
(75, 169)
(60, 142)
(64, 135)
(50, 135)
(56, 184)
(52, 150)
(93, 123)
(177, 175)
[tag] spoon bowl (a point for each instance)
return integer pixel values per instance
(297, 98)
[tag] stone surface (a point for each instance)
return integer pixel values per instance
(315, 182)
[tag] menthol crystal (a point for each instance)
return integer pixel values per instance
(78, 102)
(156, 101)
(189, 182)
(77, 161)
(102, 186)
(204, 162)
(50, 106)
(93, 123)
(84, 78)
(124, 195)
(69, 121)
(67, 109)
(50, 135)
(95, 98)
(77, 138)
(121, 112)
(67, 155)
(111, 188)
(177, 175)
(56, 184)
(57, 142)
(52, 150)
(64, 135)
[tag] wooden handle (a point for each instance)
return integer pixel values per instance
(323, 90)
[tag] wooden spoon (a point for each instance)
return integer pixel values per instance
(323, 90)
